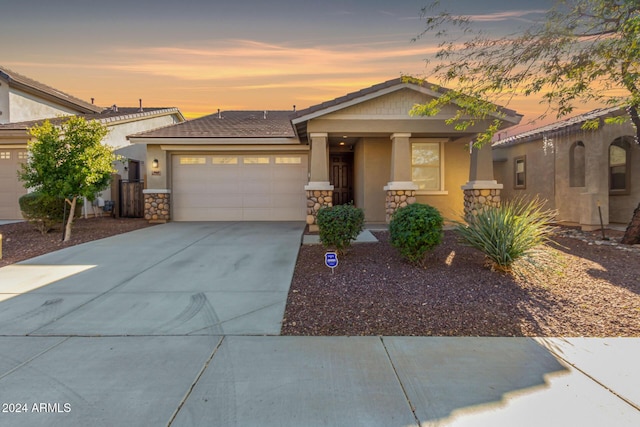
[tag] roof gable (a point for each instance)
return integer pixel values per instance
(28, 85)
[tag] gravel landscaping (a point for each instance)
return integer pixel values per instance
(593, 291)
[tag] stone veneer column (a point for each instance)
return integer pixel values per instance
(480, 195)
(397, 199)
(157, 205)
(319, 195)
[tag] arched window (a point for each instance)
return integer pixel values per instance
(577, 168)
(619, 166)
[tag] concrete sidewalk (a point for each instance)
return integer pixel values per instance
(178, 325)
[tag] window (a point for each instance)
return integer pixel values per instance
(219, 160)
(577, 168)
(619, 167)
(5, 155)
(426, 170)
(520, 172)
(256, 160)
(193, 160)
(22, 155)
(289, 160)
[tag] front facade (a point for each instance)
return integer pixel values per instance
(362, 148)
(25, 103)
(583, 174)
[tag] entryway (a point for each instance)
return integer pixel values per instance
(341, 177)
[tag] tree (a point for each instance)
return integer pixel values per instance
(584, 50)
(68, 161)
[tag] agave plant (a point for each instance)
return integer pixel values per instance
(510, 233)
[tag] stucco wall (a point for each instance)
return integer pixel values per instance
(4, 102)
(456, 174)
(374, 167)
(549, 175)
(23, 107)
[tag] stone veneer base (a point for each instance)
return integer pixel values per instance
(157, 207)
(477, 200)
(317, 199)
(397, 199)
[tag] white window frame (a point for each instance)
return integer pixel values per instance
(441, 191)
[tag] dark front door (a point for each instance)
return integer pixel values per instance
(341, 167)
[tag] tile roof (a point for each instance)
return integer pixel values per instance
(230, 124)
(572, 123)
(25, 83)
(105, 117)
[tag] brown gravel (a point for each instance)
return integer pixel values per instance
(594, 292)
(22, 241)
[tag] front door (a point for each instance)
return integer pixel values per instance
(341, 167)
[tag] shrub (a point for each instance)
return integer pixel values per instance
(414, 230)
(44, 211)
(511, 233)
(339, 225)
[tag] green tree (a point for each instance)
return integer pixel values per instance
(583, 51)
(68, 161)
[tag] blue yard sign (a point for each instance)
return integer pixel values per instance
(331, 260)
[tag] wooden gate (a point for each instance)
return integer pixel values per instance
(131, 198)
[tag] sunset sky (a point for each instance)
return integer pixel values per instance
(245, 54)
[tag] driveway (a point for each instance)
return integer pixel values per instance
(221, 278)
(175, 324)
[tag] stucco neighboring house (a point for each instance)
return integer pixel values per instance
(25, 103)
(575, 170)
(363, 147)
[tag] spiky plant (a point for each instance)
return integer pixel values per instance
(509, 234)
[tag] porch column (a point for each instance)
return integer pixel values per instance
(319, 190)
(401, 191)
(482, 190)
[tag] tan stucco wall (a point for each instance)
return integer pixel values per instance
(456, 174)
(373, 167)
(548, 175)
(23, 107)
(539, 171)
(4, 102)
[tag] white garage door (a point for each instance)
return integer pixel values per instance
(10, 187)
(239, 187)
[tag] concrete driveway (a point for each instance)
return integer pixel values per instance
(174, 279)
(175, 324)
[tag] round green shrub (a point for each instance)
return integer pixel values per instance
(44, 211)
(339, 225)
(414, 230)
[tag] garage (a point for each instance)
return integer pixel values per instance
(239, 187)
(10, 186)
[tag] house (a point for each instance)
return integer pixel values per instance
(25, 103)
(581, 173)
(363, 147)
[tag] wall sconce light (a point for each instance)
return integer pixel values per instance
(155, 164)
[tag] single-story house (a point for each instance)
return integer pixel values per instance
(575, 170)
(25, 103)
(363, 147)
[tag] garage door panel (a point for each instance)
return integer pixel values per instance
(237, 187)
(11, 188)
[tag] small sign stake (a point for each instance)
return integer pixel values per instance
(331, 260)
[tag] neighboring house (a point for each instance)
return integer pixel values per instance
(284, 165)
(25, 103)
(575, 170)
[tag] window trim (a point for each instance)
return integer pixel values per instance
(515, 172)
(624, 145)
(441, 190)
